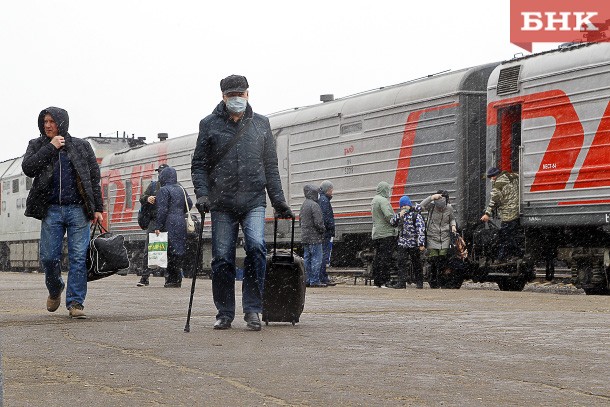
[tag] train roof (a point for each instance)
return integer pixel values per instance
(150, 152)
(582, 55)
(14, 169)
(7, 166)
(412, 92)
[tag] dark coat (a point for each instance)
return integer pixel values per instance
(171, 211)
(237, 183)
(327, 215)
(151, 190)
(312, 224)
(39, 162)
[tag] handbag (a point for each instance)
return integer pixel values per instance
(190, 224)
(106, 253)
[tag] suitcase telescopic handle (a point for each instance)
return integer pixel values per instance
(275, 219)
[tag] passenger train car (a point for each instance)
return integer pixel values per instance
(544, 116)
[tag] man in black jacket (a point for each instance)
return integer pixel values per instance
(234, 163)
(149, 199)
(65, 196)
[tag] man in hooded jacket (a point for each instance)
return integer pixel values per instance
(383, 234)
(65, 196)
(234, 163)
(312, 235)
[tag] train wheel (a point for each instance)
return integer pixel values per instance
(511, 284)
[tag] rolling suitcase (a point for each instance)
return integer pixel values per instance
(284, 292)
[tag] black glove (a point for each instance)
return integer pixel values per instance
(283, 210)
(203, 205)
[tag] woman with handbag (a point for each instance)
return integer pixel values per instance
(440, 227)
(173, 203)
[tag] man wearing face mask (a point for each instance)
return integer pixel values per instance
(234, 163)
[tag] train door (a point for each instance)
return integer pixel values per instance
(509, 138)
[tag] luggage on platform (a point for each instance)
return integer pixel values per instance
(284, 293)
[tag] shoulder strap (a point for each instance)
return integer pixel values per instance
(186, 203)
(229, 145)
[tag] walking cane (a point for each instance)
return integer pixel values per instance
(187, 327)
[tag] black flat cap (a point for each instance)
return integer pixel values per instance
(234, 83)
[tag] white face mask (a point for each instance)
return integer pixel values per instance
(236, 104)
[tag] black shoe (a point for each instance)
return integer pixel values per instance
(252, 321)
(420, 286)
(330, 283)
(222, 323)
(173, 285)
(143, 282)
(399, 285)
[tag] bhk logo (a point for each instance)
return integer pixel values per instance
(558, 21)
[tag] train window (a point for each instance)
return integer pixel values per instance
(508, 82)
(3, 205)
(28, 183)
(128, 194)
(351, 128)
(18, 203)
(6, 185)
(23, 202)
(15, 185)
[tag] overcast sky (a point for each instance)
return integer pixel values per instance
(153, 66)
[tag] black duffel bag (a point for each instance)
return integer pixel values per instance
(106, 253)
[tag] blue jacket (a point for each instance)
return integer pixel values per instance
(238, 181)
(171, 211)
(327, 215)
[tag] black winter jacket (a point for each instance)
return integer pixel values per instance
(39, 162)
(237, 183)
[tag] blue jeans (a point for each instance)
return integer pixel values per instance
(59, 220)
(327, 246)
(312, 256)
(225, 227)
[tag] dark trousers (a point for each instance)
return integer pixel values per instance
(410, 256)
(174, 268)
(507, 244)
(382, 263)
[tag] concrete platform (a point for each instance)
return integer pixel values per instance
(355, 346)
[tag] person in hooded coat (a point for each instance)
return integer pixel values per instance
(383, 234)
(441, 224)
(65, 195)
(312, 235)
(171, 210)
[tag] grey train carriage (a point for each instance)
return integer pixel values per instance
(549, 121)
(419, 136)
